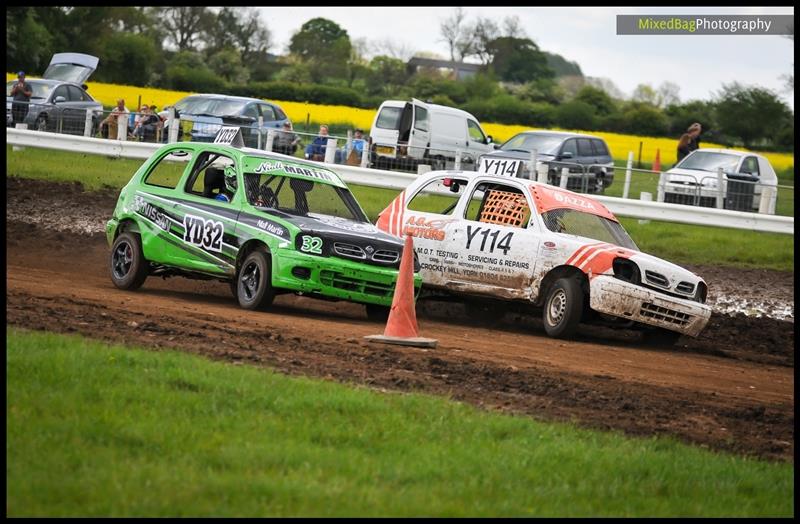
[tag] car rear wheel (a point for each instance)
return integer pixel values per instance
(128, 265)
(254, 281)
(563, 308)
(41, 123)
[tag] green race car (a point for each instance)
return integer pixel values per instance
(266, 223)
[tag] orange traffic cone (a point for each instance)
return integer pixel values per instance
(657, 161)
(401, 327)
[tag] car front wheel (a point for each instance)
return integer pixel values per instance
(128, 265)
(563, 308)
(254, 281)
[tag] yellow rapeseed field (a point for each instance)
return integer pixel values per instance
(298, 112)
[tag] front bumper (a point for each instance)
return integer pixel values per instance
(335, 277)
(622, 299)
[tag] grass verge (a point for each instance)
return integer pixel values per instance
(678, 243)
(99, 430)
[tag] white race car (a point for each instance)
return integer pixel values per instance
(484, 237)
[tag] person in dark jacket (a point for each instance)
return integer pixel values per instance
(689, 141)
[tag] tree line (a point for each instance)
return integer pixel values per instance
(227, 50)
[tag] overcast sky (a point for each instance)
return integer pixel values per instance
(699, 64)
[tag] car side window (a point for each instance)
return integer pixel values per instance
(750, 165)
(268, 113)
(570, 146)
(207, 175)
(600, 148)
(60, 91)
(167, 171)
(75, 94)
(475, 132)
(421, 118)
(279, 113)
(585, 147)
(494, 203)
(251, 111)
(438, 196)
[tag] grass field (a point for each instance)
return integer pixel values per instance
(98, 430)
(675, 242)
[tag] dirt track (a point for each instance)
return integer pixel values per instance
(731, 389)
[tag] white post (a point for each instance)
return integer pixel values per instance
(365, 156)
(564, 177)
(720, 189)
(532, 167)
(645, 197)
(662, 180)
(270, 140)
(457, 167)
(541, 173)
(174, 125)
(767, 203)
(122, 127)
(87, 126)
(260, 126)
(330, 151)
(349, 144)
(19, 126)
(627, 187)
(423, 168)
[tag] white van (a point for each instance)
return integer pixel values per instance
(412, 133)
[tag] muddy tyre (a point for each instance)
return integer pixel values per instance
(128, 266)
(661, 338)
(376, 313)
(563, 308)
(254, 281)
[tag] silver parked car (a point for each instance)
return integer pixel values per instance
(60, 101)
(203, 115)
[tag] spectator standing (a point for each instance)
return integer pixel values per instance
(21, 91)
(356, 148)
(286, 140)
(689, 141)
(110, 125)
(316, 149)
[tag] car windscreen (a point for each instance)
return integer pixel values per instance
(301, 196)
(210, 106)
(389, 118)
(709, 161)
(573, 222)
(39, 90)
(529, 142)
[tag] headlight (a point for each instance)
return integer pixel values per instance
(701, 293)
(626, 270)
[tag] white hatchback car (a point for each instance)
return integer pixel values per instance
(483, 237)
(694, 180)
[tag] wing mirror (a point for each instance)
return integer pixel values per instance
(566, 155)
(59, 99)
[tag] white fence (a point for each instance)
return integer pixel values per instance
(397, 180)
